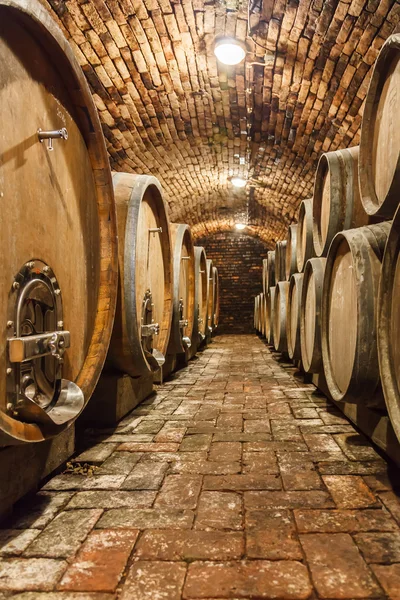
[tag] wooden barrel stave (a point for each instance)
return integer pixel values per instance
(379, 164)
(145, 276)
(305, 242)
(200, 307)
(293, 316)
(291, 252)
(269, 317)
(183, 289)
(336, 201)
(310, 315)
(349, 309)
(388, 324)
(216, 307)
(280, 316)
(280, 261)
(59, 206)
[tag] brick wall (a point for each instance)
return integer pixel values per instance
(238, 258)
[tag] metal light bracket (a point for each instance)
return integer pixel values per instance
(36, 342)
(60, 134)
(155, 230)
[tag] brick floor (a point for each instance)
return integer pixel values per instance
(236, 480)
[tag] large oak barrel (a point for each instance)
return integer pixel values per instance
(349, 310)
(291, 250)
(144, 309)
(388, 324)
(269, 316)
(293, 316)
(58, 231)
(280, 316)
(310, 315)
(336, 202)
(216, 307)
(268, 271)
(280, 261)
(379, 164)
(263, 314)
(200, 306)
(210, 295)
(183, 289)
(305, 242)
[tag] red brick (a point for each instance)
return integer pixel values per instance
(250, 481)
(392, 503)
(379, 547)
(179, 491)
(146, 518)
(190, 545)
(389, 578)
(225, 451)
(356, 446)
(229, 422)
(306, 499)
(305, 480)
(100, 562)
(25, 574)
(150, 447)
(153, 580)
(338, 521)
(271, 534)
(257, 426)
(206, 467)
(145, 476)
(349, 491)
(260, 462)
(321, 442)
(337, 569)
(168, 434)
(195, 443)
(253, 579)
(219, 510)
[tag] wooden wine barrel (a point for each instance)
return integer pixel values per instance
(200, 307)
(336, 202)
(291, 250)
(280, 261)
(58, 230)
(268, 271)
(305, 242)
(379, 163)
(144, 309)
(216, 307)
(210, 296)
(388, 324)
(310, 315)
(183, 289)
(293, 316)
(280, 316)
(349, 310)
(269, 316)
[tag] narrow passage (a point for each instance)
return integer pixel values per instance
(236, 480)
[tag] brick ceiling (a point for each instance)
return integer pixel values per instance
(168, 108)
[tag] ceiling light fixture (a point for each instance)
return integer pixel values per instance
(229, 51)
(240, 226)
(238, 182)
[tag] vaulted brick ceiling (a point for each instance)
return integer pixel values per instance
(168, 108)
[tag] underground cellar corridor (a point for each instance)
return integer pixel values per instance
(235, 480)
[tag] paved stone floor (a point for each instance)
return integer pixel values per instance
(236, 480)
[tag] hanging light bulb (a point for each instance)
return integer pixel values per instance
(240, 226)
(238, 182)
(229, 51)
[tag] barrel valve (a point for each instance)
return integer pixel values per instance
(61, 134)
